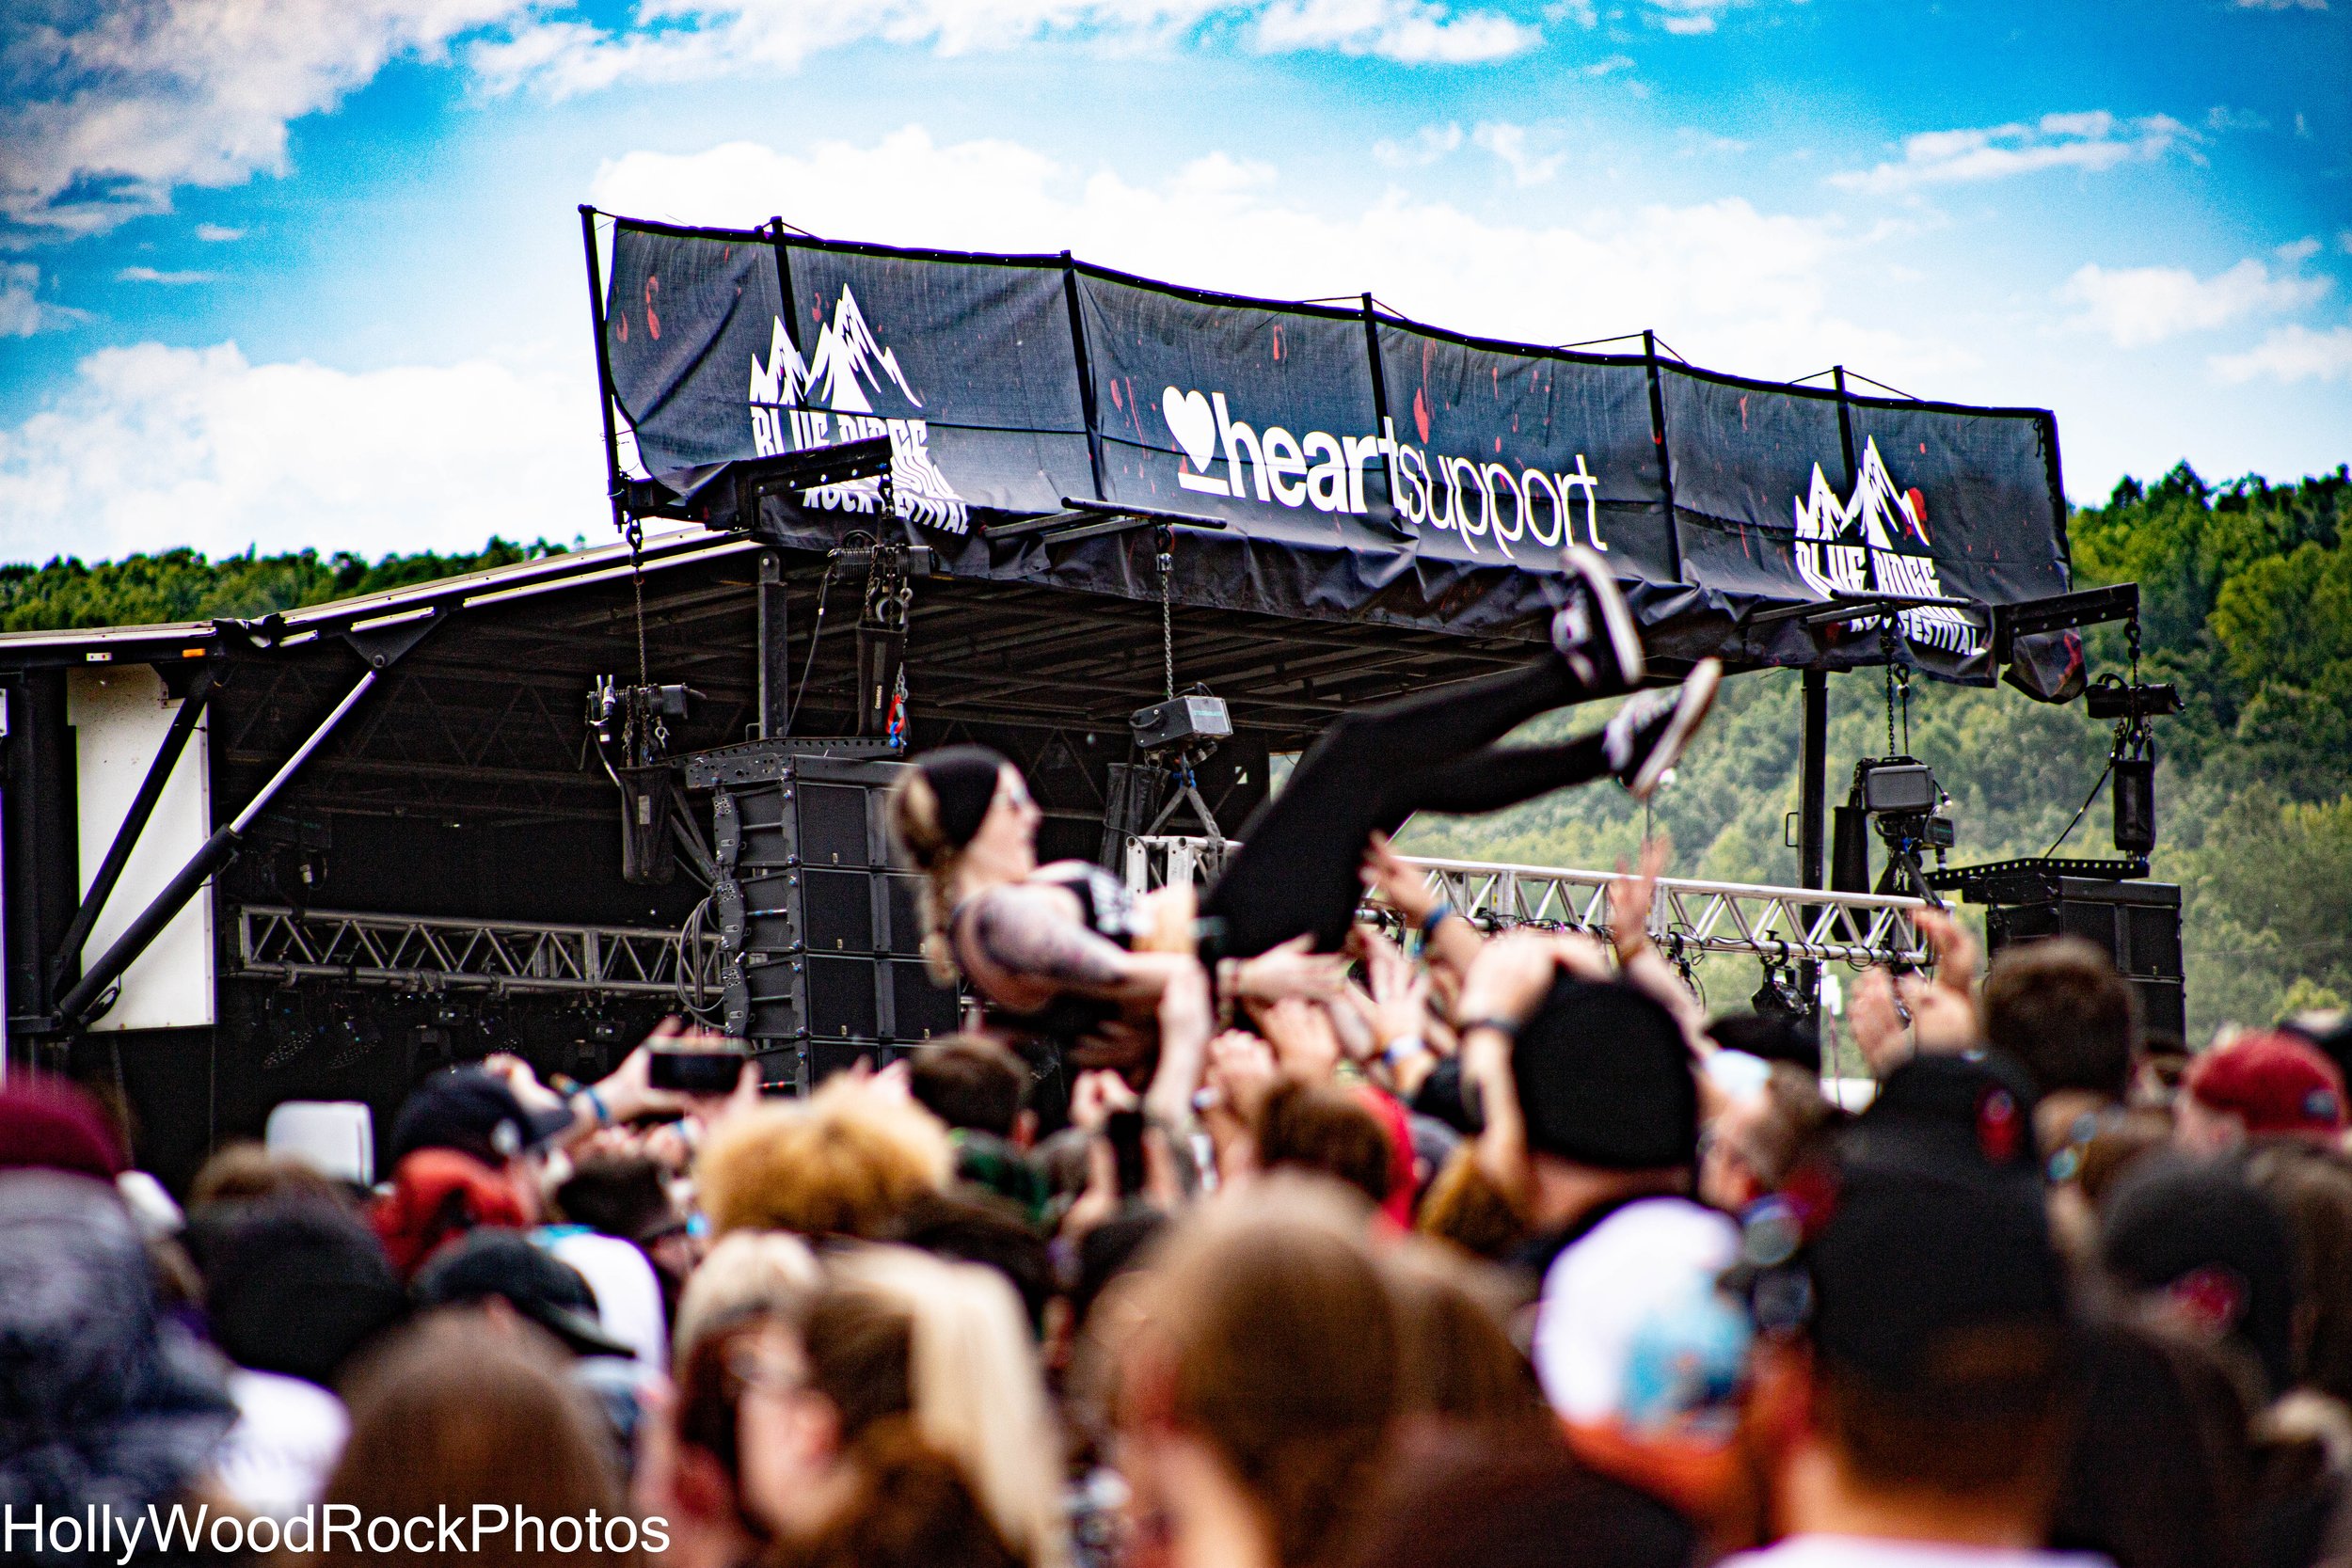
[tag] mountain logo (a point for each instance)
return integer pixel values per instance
(1876, 542)
(848, 389)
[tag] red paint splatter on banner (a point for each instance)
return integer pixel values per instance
(1744, 411)
(1278, 344)
(653, 322)
(1420, 415)
(1114, 403)
(623, 319)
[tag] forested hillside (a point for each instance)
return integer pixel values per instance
(2247, 597)
(2246, 594)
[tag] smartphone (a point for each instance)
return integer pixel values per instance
(704, 1070)
(1124, 1130)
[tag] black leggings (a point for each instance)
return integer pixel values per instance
(1300, 865)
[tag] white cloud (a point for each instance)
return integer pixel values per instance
(1726, 283)
(149, 275)
(2292, 353)
(23, 311)
(151, 447)
(106, 109)
(2283, 5)
(2223, 117)
(214, 233)
(1688, 17)
(2138, 305)
(1514, 145)
(1417, 32)
(1426, 146)
(679, 41)
(2090, 142)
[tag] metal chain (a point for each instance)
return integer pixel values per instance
(1167, 604)
(1887, 650)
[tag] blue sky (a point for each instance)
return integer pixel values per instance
(308, 273)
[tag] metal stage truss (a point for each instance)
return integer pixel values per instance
(1689, 917)
(431, 953)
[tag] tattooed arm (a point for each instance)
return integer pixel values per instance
(1031, 948)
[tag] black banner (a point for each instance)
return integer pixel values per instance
(1367, 468)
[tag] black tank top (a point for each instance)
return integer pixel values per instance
(1108, 910)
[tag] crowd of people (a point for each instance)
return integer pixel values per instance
(1227, 1241)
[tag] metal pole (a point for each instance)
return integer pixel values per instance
(613, 486)
(133, 823)
(1813, 808)
(218, 851)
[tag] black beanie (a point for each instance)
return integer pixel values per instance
(1605, 1079)
(964, 781)
(293, 1284)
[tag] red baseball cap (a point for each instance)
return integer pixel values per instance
(2273, 1081)
(50, 1123)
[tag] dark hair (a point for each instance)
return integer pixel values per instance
(1322, 1127)
(710, 1392)
(1281, 1343)
(2314, 1191)
(971, 1083)
(1483, 1498)
(245, 1169)
(448, 1414)
(617, 1195)
(1457, 1363)
(973, 1227)
(860, 1350)
(1992, 1408)
(2058, 1008)
(912, 1507)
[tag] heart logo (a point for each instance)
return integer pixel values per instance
(1193, 424)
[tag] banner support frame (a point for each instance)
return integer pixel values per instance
(1665, 456)
(615, 490)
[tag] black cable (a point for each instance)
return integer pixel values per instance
(2095, 787)
(816, 635)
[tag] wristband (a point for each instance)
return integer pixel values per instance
(1436, 917)
(596, 1103)
(1402, 1050)
(1508, 1028)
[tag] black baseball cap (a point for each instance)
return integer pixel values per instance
(472, 1111)
(1941, 1111)
(1937, 1224)
(539, 1286)
(1605, 1079)
(2200, 1233)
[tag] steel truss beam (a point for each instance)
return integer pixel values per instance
(514, 957)
(1687, 917)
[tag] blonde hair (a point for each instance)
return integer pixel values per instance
(750, 1271)
(912, 808)
(848, 1161)
(977, 1392)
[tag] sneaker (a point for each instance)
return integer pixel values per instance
(1647, 736)
(1594, 630)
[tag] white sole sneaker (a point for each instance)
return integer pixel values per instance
(1624, 638)
(1692, 701)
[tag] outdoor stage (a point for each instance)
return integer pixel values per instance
(395, 843)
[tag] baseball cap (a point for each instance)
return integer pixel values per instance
(473, 1112)
(50, 1124)
(1941, 1111)
(1605, 1079)
(509, 1265)
(1932, 1229)
(2275, 1082)
(2206, 1239)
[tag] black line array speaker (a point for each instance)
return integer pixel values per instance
(820, 939)
(2137, 923)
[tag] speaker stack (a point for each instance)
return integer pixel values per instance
(2137, 923)
(820, 939)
